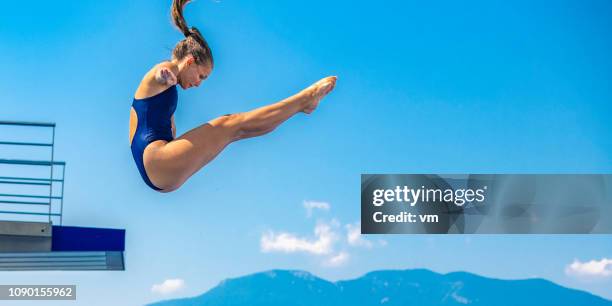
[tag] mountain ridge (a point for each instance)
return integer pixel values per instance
(389, 287)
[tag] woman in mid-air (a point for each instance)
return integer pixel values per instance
(166, 162)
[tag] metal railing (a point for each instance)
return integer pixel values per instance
(24, 195)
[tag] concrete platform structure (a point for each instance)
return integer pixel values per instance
(31, 203)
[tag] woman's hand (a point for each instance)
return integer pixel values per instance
(165, 77)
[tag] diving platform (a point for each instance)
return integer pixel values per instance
(43, 246)
(32, 236)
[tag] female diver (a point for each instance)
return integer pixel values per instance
(166, 162)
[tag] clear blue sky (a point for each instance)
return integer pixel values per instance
(429, 87)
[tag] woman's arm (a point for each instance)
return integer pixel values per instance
(158, 79)
(164, 75)
(173, 127)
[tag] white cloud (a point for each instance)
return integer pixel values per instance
(285, 242)
(338, 259)
(328, 238)
(354, 238)
(168, 286)
(593, 268)
(312, 205)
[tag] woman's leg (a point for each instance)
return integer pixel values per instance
(169, 165)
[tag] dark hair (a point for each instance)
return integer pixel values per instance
(194, 43)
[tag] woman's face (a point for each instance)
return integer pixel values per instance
(193, 74)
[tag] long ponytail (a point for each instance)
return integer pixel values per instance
(177, 16)
(194, 43)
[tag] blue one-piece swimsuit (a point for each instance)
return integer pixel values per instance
(154, 123)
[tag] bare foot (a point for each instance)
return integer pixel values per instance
(318, 91)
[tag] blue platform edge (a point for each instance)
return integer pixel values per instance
(72, 238)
